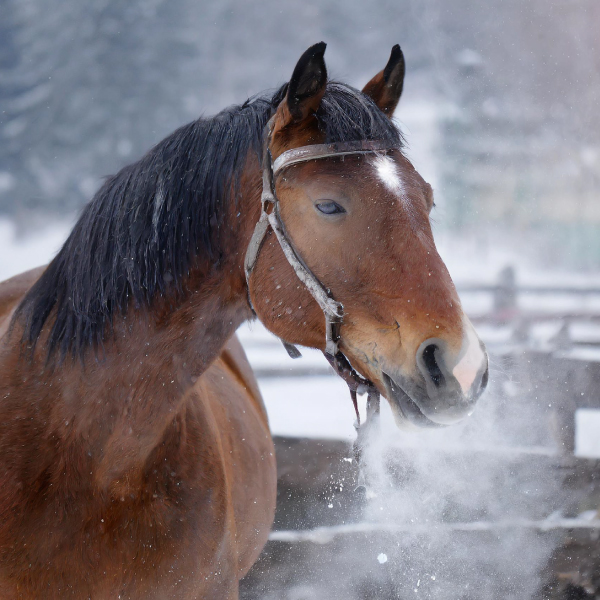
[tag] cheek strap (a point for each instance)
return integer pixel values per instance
(271, 217)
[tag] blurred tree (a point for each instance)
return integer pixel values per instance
(84, 86)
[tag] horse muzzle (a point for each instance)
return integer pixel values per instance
(445, 386)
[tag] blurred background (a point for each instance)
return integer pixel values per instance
(500, 105)
(501, 115)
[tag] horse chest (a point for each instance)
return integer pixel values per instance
(192, 517)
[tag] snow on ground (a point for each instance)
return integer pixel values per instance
(314, 407)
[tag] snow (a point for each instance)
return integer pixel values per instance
(315, 407)
(325, 535)
(582, 353)
(585, 333)
(21, 253)
(268, 357)
(587, 432)
(542, 333)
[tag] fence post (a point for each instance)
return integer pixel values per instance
(505, 293)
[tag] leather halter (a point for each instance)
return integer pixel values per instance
(271, 217)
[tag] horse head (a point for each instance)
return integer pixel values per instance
(361, 224)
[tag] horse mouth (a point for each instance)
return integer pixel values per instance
(402, 403)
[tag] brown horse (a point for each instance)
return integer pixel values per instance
(136, 458)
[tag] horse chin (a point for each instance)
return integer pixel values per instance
(407, 414)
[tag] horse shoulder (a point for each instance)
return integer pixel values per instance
(235, 361)
(251, 470)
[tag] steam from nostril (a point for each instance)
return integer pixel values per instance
(433, 369)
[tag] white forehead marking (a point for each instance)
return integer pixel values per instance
(388, 173)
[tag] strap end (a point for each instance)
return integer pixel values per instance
(292, 350)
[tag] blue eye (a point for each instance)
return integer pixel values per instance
(330, 208)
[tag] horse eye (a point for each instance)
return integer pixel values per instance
(330, 208)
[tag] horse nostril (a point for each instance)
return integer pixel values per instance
(432, 366)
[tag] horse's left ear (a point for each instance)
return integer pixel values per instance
(305, 89)
(386, 87)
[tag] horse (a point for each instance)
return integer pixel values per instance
(136, 457)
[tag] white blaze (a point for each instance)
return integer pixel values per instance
(388, 173)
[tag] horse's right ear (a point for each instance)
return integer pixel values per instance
(306, 87)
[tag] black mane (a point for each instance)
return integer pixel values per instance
(139, 234)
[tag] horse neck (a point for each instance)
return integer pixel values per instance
(216, 302)
(123, 401)
(193, 327)
(196, 323)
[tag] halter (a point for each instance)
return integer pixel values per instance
(271, 217)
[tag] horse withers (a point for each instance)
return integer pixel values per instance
(136, 458)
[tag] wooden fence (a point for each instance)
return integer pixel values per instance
(324, 544)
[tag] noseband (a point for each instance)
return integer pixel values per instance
(271, 217)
